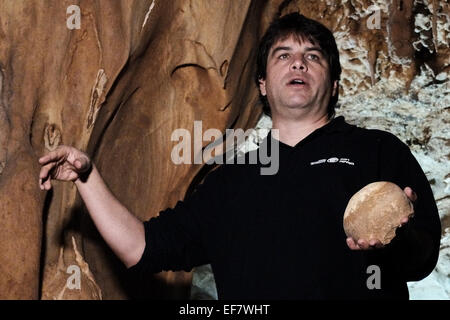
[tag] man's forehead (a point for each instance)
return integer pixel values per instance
(300, 39)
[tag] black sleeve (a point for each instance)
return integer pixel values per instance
(176, 239)
(413, 253)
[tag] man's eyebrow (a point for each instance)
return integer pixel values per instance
(319, 49)
(315, 49)
(280, 49)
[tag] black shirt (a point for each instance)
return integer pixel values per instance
(281, 236)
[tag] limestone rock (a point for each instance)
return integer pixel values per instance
(375, 211)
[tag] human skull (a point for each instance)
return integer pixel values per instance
(375, 212)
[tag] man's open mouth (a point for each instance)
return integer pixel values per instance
(296, 82)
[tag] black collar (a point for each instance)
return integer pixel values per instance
(337, 124)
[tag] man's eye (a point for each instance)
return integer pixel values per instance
(313, 56)
(283, 56)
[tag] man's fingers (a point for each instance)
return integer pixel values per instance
(363, 244)
(375, 243)
(64, 163)
(81, 164)
(44, 159)
(45, 170)
(45, 185)
(55, 155)
(351, 244)
(404, 221)
(410, 194)
(44, 176)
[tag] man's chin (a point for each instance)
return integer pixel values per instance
(298, 101)
(292, 108)
(297, 105)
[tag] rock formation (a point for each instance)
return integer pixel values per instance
(116, 78)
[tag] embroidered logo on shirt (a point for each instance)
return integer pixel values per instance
(333, 160)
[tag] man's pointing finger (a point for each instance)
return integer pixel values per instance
(52, 156)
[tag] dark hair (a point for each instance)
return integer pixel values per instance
(303, 27)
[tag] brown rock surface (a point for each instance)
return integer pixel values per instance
(375, 211)
(138, 69)
(70, 280)
(117, 88)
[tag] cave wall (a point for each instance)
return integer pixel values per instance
(115, 84)
(136, 70)
(54, 80)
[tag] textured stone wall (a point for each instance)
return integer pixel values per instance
(114, 79)
(136, 70)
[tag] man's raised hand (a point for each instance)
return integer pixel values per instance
(65, 163)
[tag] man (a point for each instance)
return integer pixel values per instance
(279, 236)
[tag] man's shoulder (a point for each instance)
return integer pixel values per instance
(377, 135)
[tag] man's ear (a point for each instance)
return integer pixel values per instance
(262, 87)
(335, 88)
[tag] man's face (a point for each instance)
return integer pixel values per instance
(297, 76)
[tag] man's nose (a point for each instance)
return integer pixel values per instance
(299, 63)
